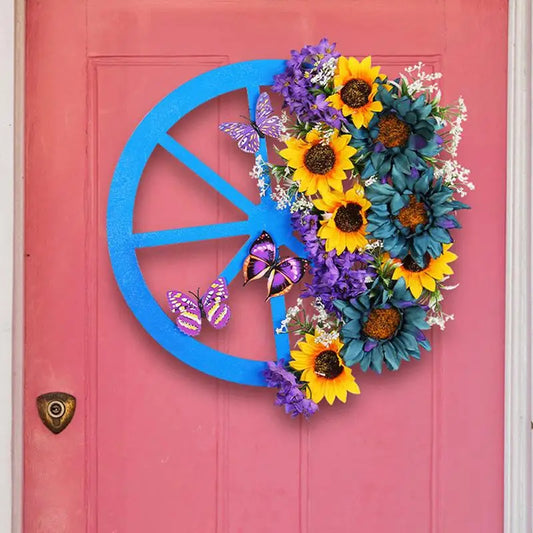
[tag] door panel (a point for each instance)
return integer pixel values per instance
(157, 446)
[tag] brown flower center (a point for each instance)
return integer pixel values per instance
(348, 218)
(327, 365)
(319, 159)
(382, 323)
(355, 93)
(410, 264)
(392, 131)
(413, 214)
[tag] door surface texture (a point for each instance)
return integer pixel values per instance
(157, 446)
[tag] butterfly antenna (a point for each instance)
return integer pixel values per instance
(196, 294)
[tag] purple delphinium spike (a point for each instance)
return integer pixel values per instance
(335, 277)
(289, 393)
(300, 92)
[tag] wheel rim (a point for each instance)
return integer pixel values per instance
(123, 242)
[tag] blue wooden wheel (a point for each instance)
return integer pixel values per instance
(123, 242)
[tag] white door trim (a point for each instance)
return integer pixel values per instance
(11, 265)
(518, 331)
(7, 106)
(519, 308)
(12, 35)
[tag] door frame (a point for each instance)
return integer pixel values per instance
(518, 475)
(11, 261)
(518, 463)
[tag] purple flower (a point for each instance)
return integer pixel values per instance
(289, 392)
(277, 376)
(335, 277)
(302, 96)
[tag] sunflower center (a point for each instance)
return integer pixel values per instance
(412, 214)
(410, 264)
(392, 131)
(319, 159)
(348, 218)
(382, 323)
(327, 365)
(355, 93)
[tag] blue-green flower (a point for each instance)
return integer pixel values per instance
(400, 138)
(383, 327)
(412, 216)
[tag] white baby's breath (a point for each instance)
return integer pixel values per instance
(418, 81)
(456, 127)
(438, 318)
(281, 196)
(455, 176)
(325, 72)
(291, 313)
(370, 181)
(325, 337)
(301, 204)
(259, 172)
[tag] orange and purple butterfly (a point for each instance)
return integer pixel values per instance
(212, 306)
(281, 273)
(248, 135)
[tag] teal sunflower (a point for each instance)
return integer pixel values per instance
(399, 139)
(385, 326)
(412, 216)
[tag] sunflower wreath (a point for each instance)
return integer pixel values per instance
(371, 180)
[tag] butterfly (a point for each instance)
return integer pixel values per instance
(247, 135)
(282, 273)
(211, 306)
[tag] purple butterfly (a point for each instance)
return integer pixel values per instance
(211, 306)
(282, 273)
(247, 135)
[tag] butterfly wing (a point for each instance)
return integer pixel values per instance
(267, 124)
(263, 107)
(234, 129)
(261, 258)
(249, 142)
(189, 316)
(245, 135)
(216, 310)
(272, 127)
(217, 290)
(285, 274)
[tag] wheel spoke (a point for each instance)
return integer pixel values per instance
(235, 265)
(278, 310)
(207, 174)
(193, 234)
(253, 93)
(296, 246)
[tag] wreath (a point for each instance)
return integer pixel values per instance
(371, 179)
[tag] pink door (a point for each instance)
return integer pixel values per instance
(156, 446)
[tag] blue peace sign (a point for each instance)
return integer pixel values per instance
(123, 242)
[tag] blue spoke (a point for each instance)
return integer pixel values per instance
(207, 174)
(235, 265)
(253, 94)
(277, 308)
(296, 246)
(193, 234)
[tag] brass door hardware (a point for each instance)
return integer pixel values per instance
(56, 410)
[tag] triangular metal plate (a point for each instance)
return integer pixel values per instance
(56, 410)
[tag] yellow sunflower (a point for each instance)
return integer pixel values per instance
(344, 226)
(355, 87)
(418, 277)
(319, 163)
(323, 370)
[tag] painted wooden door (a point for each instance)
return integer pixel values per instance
(157, 446)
